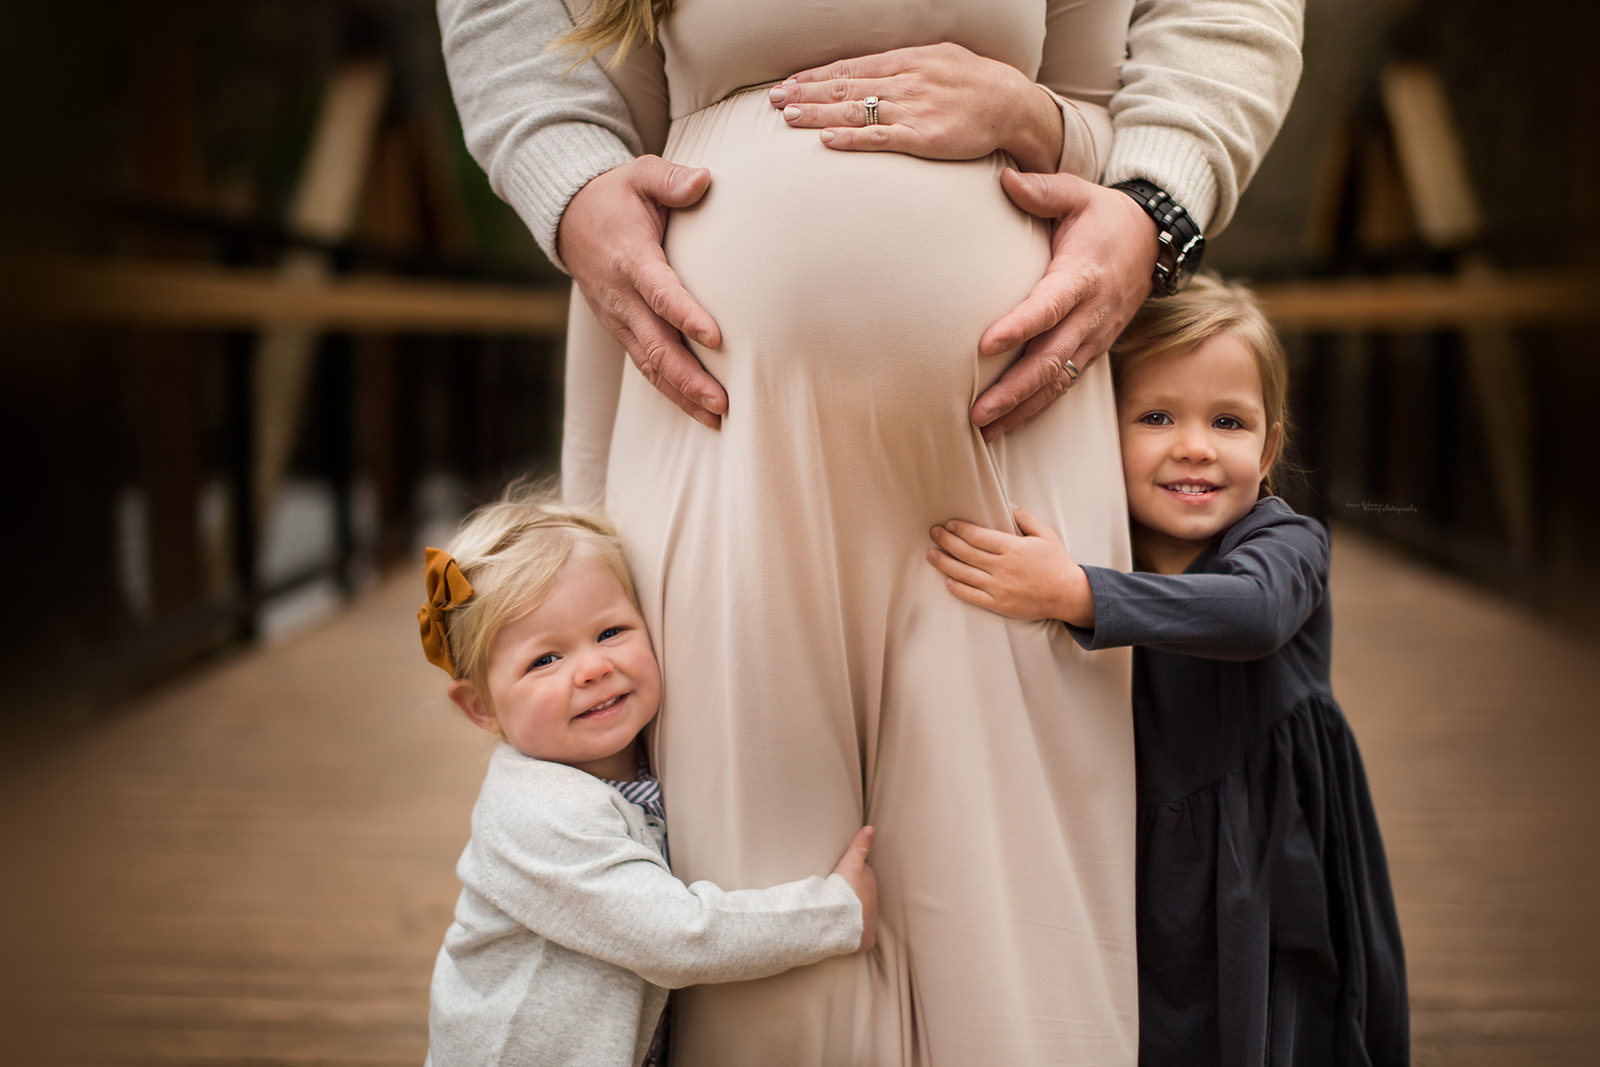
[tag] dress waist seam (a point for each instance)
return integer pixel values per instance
(729, 95)
(1310, 704)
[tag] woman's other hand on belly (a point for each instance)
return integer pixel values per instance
(610, 239)
(1103, 256)
(938, 101)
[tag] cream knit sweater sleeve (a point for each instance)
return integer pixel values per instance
(539, 126)
(1205, 88)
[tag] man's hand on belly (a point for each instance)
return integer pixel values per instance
(1103, 254)
(610, 239)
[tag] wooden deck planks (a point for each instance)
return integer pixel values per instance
(270, 859)
(1478, 724)
(256, 867)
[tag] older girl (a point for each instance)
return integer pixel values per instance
(1267, 929)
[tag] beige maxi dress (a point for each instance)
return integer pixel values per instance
(818, 674)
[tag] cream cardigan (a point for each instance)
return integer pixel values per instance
(570, 927)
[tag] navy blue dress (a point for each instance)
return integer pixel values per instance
(1267, 928)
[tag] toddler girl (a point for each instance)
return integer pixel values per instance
(570, 927)
(1266, 925)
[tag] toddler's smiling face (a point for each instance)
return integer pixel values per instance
(574, 680)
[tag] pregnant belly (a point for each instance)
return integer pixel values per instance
(854, 278)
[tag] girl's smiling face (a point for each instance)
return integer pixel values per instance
(574, 680)
(1195, 447)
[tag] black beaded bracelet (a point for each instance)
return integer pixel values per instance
(1179, 244)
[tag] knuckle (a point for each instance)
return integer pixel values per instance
(653, 360)
(653, 293)
(613, 303)
(1059, 306)
(1100, 318)
(838, 91)
(1067, 342)
(877, 136)
(613, 260)
(1092, 279)
(1052, 369)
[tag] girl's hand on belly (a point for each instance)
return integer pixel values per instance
(1029, 577)
(937, 101)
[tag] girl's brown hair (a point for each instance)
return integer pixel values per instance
(614, 24)
(1209, 306)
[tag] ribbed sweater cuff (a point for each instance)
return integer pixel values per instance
(1171, 159)
(552, 167)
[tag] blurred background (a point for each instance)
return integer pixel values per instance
(238, 462)
(267, 330)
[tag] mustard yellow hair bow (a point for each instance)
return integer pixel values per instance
(448, 589)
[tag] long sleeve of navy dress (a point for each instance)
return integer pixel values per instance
(1267, 928)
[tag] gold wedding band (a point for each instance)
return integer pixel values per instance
(871, 104)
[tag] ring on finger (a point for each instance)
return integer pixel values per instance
(1072, 372)
(871, 106)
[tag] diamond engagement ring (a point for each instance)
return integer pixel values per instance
(871, 104)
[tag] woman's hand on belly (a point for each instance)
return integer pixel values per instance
(610, 239)
(938, 101)
(1103, 256)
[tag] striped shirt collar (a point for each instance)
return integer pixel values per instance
(644, 790)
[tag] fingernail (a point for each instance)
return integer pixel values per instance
(777, 94)
(791, 113)
(827, 136)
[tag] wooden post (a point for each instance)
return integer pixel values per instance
(324, 206)
(1449, 216)
(165, 369)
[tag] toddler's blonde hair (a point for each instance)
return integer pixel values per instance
(1209, 306)
(513, 551)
